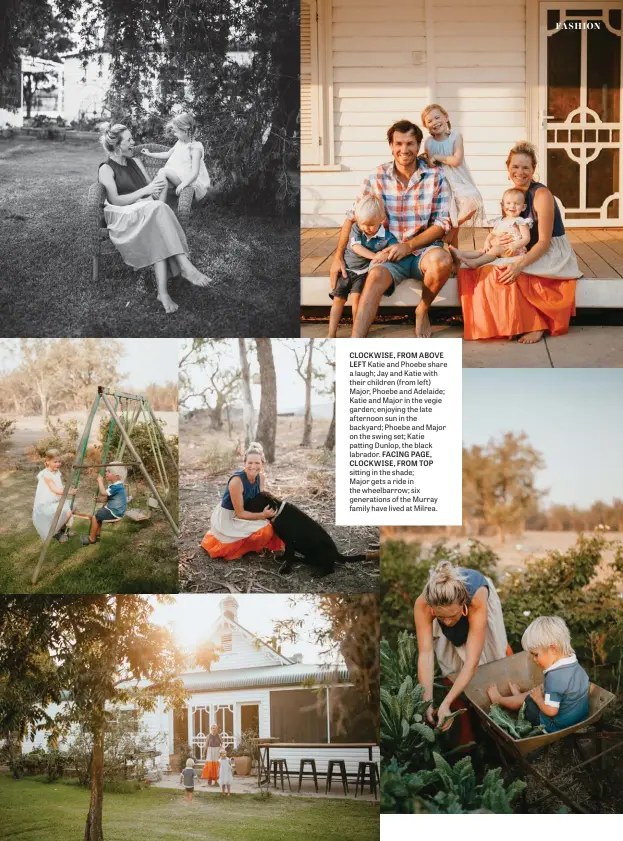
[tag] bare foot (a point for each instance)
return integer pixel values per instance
(422, 325)
(494, 693)
(514, 688)
(196, 277)
(531, 338)
(168, 303)
(456, 254)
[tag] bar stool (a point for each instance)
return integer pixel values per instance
(303, 773)
(278, 766)
(341, 765)
(363, 769)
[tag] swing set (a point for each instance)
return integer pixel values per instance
(125, 411)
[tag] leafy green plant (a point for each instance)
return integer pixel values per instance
(7, 428)
(62, 435)
(446, 789)
(518, 728)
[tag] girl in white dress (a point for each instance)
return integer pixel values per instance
(185, 164)
(225, 775)
(49, 490)
(444, 148)
(510, 222)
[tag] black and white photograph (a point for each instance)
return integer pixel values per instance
(149, 168)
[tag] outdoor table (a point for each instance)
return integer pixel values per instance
(265, 746)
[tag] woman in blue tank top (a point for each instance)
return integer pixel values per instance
(459, 621)
(534, 293)
(233, 531)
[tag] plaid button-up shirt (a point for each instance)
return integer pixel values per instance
(424, 202)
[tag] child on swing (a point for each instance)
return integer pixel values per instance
(49, 490)
(116, 501)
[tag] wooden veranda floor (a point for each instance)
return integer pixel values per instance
(599, 250)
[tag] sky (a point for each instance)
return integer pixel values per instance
(573, 416)
(191, 613)
(290, 386)
(145, 360)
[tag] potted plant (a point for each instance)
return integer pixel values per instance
(7, 130)
(245, 753)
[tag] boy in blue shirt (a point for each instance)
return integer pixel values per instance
(562, 700)
(368, 238)
(116, 501)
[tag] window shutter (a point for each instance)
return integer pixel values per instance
(310, 93)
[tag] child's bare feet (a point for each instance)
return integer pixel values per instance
(168, 303)
(514, 688)
(494, 693)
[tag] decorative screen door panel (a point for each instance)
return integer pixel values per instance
(580, 72)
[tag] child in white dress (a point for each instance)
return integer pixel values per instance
(510, 222)
(444, 148)
(225, 775)
(49, 491)
(185, 161)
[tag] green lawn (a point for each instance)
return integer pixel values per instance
(131, 557)
(46, 264)
(37, 811)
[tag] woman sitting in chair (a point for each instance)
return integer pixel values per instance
(143, 228)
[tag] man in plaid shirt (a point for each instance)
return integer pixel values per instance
(417, 202)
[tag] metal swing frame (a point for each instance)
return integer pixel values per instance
(156, 438)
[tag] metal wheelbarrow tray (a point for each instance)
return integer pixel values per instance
(522, 670)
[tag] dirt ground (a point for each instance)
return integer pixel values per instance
(304, 476)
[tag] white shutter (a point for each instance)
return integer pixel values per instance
(310, 93)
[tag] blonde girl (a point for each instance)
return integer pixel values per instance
(49, 491)
(225, 775)
(444, 147)
(185, 160)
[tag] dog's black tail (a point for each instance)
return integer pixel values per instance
(350, 559)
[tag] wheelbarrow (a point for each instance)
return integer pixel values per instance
(522, 670)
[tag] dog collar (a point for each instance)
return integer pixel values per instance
(280, 510)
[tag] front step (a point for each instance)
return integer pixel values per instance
(591, 293)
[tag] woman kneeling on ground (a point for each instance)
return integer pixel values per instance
(234, 532)
(144, 229)
(458, 620)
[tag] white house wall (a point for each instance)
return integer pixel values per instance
(85, 95)
(387, 63)
(245, 654)
(237, 697)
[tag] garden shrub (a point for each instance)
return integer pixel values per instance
(62, 435)
(141, 441)
(7, 428)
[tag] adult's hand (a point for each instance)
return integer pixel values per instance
(510, 274)
(338, 266)
(268, 512)
(380, 257)
(505, 238)
(442, 713)
(398, 252)
(430, 715)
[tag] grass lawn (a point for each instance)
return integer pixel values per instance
(39, 811)
(45, 260)
(131, 557)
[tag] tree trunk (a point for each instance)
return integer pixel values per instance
(329, 442)
(93, 830)
(267, 423)
(216, 414)
(248, 412)
(309, 373)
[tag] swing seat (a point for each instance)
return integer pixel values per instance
(136, 515)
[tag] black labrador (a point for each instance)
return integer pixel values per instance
(302, 535)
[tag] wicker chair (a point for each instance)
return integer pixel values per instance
(98, 232)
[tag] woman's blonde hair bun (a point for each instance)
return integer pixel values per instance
(254, 448)
(445, 586)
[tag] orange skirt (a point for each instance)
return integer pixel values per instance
(493, 310)
(210, 771)
(263, 539)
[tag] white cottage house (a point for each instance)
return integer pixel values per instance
(505, 70)
(254, 687)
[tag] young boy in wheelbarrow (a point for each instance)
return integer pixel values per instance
(115, 498)
(562, 700)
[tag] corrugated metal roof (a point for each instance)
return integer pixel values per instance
(263, 676)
